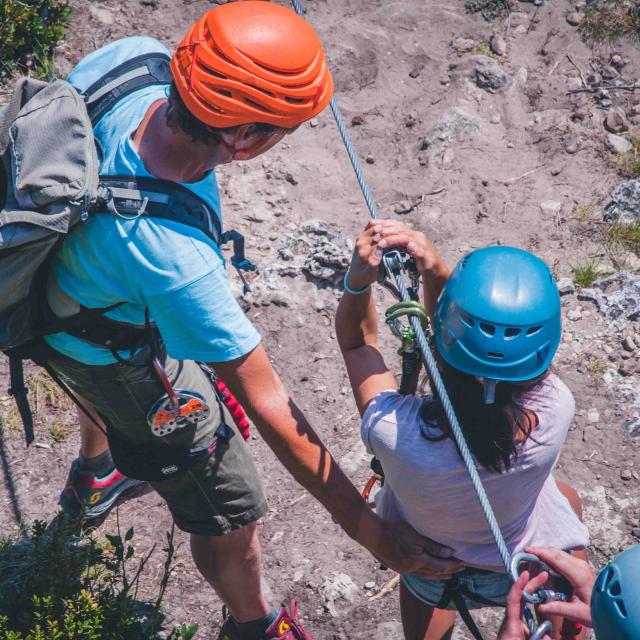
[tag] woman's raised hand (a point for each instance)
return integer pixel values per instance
(380, 235)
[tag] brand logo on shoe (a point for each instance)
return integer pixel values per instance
(169, 470)
(94, 497)
(283, 628)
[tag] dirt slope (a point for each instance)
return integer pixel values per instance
(468, 166)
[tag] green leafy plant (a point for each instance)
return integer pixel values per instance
(57, 586)
(29, 32)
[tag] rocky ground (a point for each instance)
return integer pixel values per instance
(476, 132)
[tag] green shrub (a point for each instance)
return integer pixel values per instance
(489, 9)
(57, 586)
(29, 32)
(585, 274)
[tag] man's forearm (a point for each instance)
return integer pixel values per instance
(295, 443)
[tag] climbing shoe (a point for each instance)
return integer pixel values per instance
(286, 627)
(90, 496)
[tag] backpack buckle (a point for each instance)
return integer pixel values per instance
(238, 259)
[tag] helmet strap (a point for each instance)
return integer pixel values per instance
(489, 386)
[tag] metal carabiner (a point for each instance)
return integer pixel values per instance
(542, 595)
(546, 628)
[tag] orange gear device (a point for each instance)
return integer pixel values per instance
(252, 62)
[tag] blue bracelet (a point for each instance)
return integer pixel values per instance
(355, 292)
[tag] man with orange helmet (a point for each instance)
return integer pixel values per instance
(246, 74)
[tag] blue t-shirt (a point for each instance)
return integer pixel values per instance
(173, 269)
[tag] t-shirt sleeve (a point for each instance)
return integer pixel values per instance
(202, 320)
(385, 403)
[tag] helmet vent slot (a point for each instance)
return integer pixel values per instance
(467, 319)
(531, 331)
(615, 589)
(294, 100)
(224, 92)
(620, 607)
(497, 356)
(487, 329)
(511, 332)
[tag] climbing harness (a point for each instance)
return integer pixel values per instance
(394, 265)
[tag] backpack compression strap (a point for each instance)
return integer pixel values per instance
(142, 71)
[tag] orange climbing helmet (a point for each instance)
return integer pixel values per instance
(252, 61)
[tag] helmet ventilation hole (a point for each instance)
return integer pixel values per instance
(467, 319)
(497, 356)
(614, 589)
(487, 329)
(620, 607)
(511, 332)
(531, 331)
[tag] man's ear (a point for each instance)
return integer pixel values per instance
(244, 132)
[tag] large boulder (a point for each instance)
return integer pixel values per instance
(625, 203)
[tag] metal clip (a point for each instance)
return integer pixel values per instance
(542, 595)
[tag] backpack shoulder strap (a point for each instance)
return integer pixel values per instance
(131, 197)
(142, 71)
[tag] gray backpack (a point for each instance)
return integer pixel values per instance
(49, 181)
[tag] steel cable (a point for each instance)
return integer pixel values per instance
(427, 357)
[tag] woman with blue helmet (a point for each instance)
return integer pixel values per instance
(497, 327)
(610, 603)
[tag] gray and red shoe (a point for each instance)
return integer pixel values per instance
(89, 496)
(286, 627)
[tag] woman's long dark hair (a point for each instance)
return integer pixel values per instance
(487, 428)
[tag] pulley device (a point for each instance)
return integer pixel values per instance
(396, 267)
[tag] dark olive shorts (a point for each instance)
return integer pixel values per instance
(222, 491)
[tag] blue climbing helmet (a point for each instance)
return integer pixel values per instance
(498, 317)
(615, 600)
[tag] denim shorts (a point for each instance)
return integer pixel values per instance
(490, 587)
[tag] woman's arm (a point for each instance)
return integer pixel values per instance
(356, 321)
(357, 324)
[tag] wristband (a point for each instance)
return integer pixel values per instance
(354, 292)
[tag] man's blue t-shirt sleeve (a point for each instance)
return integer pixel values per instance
(203, 321)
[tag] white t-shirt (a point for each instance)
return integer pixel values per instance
(428, 486)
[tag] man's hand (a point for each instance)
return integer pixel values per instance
(399, 547)
(582, 579)
(513, 627)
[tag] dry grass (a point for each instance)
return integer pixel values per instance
(626, 235)
(610, 20)
(628, 164)
(44, 395)
(583, 211)
(597, 366)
